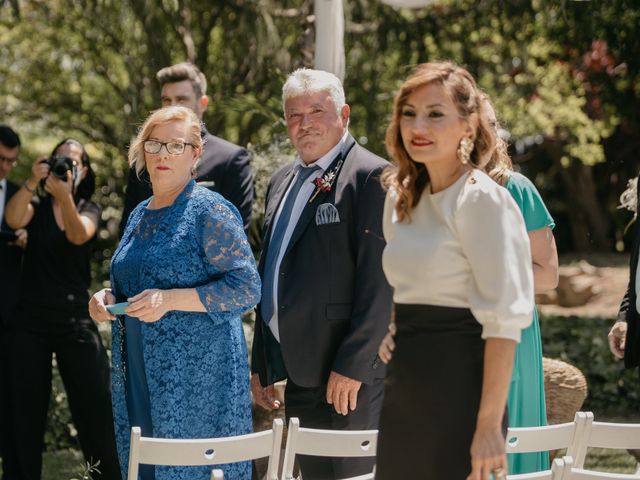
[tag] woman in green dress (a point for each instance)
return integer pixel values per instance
(526, 402)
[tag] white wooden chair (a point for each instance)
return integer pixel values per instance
(217, 474)
(551, 437)
(571, 473)
(624, 436)
(208, 451)
(327, 443)
(556, 473)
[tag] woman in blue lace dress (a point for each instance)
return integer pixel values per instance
(179, 355)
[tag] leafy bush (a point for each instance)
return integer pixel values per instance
(264, 163)
(613, 390)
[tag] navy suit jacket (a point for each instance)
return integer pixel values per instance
(223, 168)
(11, 262)
(334, 302)
(628, 311)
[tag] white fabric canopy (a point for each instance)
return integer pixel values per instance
(330, 36)
(330, 32)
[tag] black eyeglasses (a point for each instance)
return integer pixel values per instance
(11, 161)
(174, 148)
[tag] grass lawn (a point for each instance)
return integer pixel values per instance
(63, 465)
(68, 464)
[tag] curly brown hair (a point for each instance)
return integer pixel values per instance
(499, 166)
(409, 178)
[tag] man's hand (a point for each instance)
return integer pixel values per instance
(342, 393)
(617, 338)
(264, 396)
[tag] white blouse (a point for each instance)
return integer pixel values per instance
(465, 246)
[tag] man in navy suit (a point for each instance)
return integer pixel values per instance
(325, 301)
(223, 166)
(11, 245)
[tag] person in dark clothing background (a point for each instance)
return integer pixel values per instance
(624, 336)
(51, 314)
(223, 166)
(12, 243)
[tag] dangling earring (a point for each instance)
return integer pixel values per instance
(465, 149)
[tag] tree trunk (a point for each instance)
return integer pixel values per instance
(588, 223)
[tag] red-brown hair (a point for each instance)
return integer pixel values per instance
(409, 178)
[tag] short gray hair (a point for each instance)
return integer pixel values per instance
(305, 81)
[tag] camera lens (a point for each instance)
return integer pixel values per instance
(60, 166)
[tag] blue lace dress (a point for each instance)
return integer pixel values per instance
(186, 375)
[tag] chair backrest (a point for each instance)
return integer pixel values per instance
(209, 451)
(610, 435)
(556, 473)
(326, 443)
(550, 437)
(217, 474)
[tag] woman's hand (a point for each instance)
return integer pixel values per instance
(385, 351)
(59, 189)
(150, 305)
(98, 303)
(488, 454)
(21, 238)
(39, 170)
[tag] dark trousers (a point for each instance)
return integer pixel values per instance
(311, 407)
(7, 430)
(84, 368)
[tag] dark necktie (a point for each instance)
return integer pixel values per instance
(275, 245)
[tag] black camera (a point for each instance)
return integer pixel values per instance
(59, 165)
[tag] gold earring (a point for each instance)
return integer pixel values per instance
(465, 149)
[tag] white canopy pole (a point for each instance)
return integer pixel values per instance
(330, 32)
(330, 36)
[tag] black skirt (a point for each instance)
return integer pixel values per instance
(432, 394)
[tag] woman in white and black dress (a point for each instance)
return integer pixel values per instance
(459, 260)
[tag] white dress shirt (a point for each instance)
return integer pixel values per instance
(303, 197)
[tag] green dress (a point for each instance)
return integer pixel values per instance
(526, 393)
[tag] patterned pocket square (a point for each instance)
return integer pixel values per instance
(327, 213)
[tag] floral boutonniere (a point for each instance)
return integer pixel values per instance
(324, 183)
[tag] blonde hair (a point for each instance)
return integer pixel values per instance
(161, 117)
(409, 178)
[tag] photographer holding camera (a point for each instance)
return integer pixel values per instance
(61, 222)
